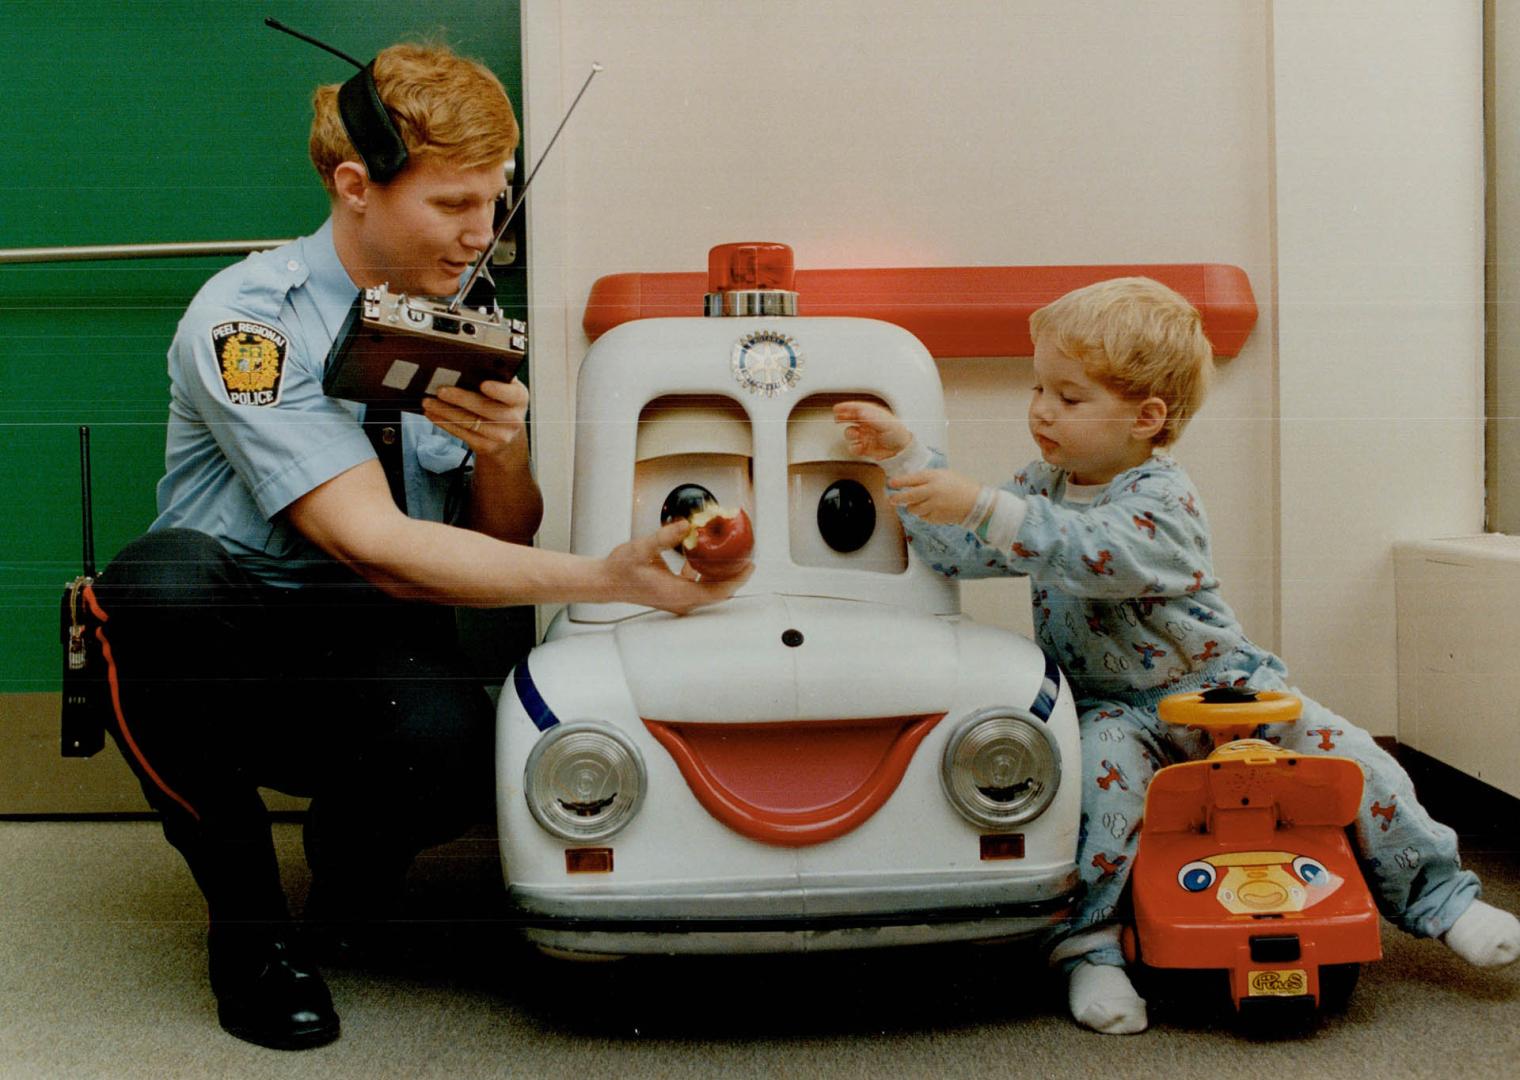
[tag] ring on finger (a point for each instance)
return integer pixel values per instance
(696, 576)
(476, 425)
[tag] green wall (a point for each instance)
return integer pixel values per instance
(148, 123)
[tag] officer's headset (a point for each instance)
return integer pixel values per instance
(393, 348)
(365, 119)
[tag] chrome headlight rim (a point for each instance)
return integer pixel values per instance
(977, 807)
(563, 739)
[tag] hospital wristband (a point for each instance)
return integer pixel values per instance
(916, 457)
(996, 517)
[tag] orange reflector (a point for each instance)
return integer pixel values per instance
(588, 860)
(1003, 846)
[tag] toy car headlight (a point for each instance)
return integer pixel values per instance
(584, 781)
(1001, 768)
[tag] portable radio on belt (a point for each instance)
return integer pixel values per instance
(85, 690)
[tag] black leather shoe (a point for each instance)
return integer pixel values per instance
(265, 995)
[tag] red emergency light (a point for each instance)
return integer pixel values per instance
(750, 265)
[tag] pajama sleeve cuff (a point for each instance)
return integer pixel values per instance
(996, 517)
(916, 458)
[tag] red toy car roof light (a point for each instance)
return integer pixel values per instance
(750, 278)
(749, 265)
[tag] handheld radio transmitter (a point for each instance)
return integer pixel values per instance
(394, 349)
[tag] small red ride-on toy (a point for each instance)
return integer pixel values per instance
(1244, 864)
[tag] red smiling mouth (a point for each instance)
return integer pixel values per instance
(794, 784)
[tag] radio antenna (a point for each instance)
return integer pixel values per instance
(86, 514)
(276, 24)
(517, 203)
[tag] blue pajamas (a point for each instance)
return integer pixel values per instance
(1125, 598)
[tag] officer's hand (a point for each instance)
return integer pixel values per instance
(638, 574)
(490, 422)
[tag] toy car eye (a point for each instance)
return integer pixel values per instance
(846, 515)
(684, 501)
(1196, 876)
(1311, 871)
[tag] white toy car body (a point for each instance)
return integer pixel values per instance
(833, 758)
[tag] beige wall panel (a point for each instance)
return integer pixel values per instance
(1380, 271)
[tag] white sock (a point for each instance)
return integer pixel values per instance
(1102, 998)
(1485, 936)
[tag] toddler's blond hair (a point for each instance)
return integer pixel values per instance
(442, 104)
(1137, 337)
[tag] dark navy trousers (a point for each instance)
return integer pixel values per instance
(222, 685)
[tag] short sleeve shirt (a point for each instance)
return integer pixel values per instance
(250, 430)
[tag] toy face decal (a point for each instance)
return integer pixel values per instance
(1196, 876)
(1311, 871)
(1260, 882)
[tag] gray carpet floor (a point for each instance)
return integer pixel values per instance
(102, 974)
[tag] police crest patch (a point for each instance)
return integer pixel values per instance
(251, 359)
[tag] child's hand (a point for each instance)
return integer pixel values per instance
(936, 495)
(873, 431)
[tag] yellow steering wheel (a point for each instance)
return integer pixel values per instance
(1229, 712)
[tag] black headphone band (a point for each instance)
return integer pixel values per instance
(369, 126)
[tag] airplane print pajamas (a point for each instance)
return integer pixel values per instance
(1125, 598)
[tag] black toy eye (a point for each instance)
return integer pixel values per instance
(684, 501)
(846, 515)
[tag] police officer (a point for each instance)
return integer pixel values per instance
(278, 625)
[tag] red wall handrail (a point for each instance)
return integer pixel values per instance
(953, 310)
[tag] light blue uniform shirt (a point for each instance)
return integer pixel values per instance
(250, 430)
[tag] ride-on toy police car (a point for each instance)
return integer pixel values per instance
(833, 758)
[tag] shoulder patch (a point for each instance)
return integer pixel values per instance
(251, 359)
